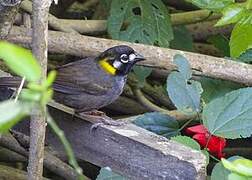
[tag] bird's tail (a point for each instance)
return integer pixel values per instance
(12, 82)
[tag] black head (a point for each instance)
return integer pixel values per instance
(119, 60)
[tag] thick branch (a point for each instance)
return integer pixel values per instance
(8, 10)
(203, 65)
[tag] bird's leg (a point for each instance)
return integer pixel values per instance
(99, 118)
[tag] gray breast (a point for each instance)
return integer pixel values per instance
(116, 90)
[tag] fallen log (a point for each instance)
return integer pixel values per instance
(129, 150)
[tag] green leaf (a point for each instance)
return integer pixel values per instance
(246, 57)
(107, 174)
(11, 112)
(182, 39)
(241, 166)
(187, 141)
(206, 153)
(141, 74)
(30, 95)
(241, 39)
(220, 172)
(183, 66)
(230, 116)
(50, 79)
(20, 61)
(158, 123)
(231, 14)
(214, 5)
(214, 88)
(143, 21)
(234, 176)
(47, 96)
(221, 43)
(184, 93)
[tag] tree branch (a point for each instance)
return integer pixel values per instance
(7, 172)
(157, 57)
(51, 162)
(191, 17)
(9, 10)
(100, 26)
(53, 21)
(38, 118)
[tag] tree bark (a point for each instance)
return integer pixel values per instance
(38, 119)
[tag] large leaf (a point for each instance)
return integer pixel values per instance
(215, 5)
(241, 39)
(240, 166)
(220, 172)
(214, 88)
(144, 21)
(11, 112)
(184, 93)
(230, 116)
(158, 123)
(20, 60)
(231, 14)
(182, 39)
(107, 174)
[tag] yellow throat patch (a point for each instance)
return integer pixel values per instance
(107, 67)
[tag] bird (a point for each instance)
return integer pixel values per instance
(89, 84)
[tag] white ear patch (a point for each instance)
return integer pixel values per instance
(117, 64)
(132, 57)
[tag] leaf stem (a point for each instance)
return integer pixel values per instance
(67, 146)
(214, 158)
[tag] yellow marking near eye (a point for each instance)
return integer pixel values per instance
(107, 67)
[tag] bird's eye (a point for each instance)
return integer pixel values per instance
(124, 58)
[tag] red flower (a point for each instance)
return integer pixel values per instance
(214, 144)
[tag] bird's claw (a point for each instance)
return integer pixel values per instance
(106, 121)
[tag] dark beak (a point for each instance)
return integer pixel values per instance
(139, 57)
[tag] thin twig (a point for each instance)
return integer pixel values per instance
(174, 113)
